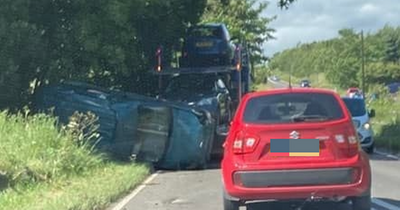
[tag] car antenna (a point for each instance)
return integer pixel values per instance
(290, 81)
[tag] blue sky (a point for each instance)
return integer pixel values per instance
(312, 20)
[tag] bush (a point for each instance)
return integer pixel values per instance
(34, 149)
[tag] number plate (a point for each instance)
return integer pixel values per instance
(204, 44)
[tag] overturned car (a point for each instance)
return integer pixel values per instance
(169, 135)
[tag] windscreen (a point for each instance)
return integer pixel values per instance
(355, 106)
(189, 85)
(292, 108)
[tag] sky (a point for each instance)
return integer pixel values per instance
(312, 20)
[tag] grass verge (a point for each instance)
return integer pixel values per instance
(386, 124)
(96, 189)
(44, 167)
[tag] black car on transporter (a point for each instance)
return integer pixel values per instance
(206, 91)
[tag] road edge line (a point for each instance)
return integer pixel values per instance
(387, 155)
(135, 192)
(384, 204)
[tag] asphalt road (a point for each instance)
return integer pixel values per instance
(201, 190)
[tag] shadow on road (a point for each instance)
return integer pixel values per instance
(296, 206)
(377, 157)
(388, 201)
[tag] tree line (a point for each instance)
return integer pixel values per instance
(108, 43)
(340, 58)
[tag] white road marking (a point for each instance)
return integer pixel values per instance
(387, 155)
(134, 193)
(384, 204)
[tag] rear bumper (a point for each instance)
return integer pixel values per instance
(281, 178)
(326, 183)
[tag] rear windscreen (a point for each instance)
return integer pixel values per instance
(293, 108)
(206, 31)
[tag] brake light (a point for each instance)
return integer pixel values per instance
(340, 138)
(348, 142)
(353, 142)
(244, 143)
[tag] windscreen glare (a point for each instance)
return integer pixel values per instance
(286, 108)
(355, 106)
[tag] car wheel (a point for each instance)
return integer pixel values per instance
(361, 203)
(371, 149)
(230, 205)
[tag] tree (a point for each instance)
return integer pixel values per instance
(392, 50)
(339, 58)
(285, 3)
(244, 21)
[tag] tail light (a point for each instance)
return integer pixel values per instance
(348, 142)
(244, 143)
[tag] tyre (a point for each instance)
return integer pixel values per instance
(371, 149)
(361, 203)
(230, 205)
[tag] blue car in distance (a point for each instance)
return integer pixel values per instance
(207, 45)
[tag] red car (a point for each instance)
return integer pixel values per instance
(353, 91)
(253, 170)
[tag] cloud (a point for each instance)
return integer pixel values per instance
(369, 8)
(313, 20)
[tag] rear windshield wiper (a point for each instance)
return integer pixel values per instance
(310, 118)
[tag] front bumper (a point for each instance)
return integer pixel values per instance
(366, 138)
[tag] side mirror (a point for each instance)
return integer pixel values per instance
(371, 113)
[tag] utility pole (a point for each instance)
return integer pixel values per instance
(362, 64)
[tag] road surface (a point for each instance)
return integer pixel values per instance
(201, 190)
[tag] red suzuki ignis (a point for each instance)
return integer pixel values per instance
(294, 144)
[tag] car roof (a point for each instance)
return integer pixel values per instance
(291, 90)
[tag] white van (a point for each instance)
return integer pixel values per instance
(361, 120)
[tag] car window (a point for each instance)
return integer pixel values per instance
(286, 108)
(356, 107)
(186, 85)
(206, 31)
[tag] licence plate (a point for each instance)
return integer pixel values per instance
(295, 147)
(204, 44)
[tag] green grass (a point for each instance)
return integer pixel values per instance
(43, 167)
(95, 189)
(386, 124)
